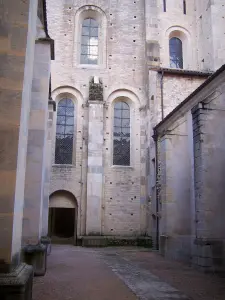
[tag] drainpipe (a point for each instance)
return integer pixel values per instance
(156, 191)
(161, 86)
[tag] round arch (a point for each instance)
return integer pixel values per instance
(94, 12)
(129, 97)
(62, 198)
(184, 35)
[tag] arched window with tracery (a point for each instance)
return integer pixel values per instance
(64, 132)
(89, 41)
(121, 134)
(176, 53)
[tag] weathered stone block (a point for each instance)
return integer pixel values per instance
(45, 240)
(17, 285)
(36, 255)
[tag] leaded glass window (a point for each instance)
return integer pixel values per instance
(121, 134)
(176, 53)
(89, 42)
(64, 132)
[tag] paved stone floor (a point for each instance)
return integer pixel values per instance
(76, 273)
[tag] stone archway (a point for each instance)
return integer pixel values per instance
(62, 217)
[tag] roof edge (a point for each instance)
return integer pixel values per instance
(182, 72)
(200, 88)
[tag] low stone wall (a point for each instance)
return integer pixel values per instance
(111, 241)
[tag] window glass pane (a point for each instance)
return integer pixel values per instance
(84, 50)
(70, 121)
(85, 40)
(93, 42)
(85, 31)
(69, 111)
(94, 23)
(61, 110)
(60, 129)
(93, 51)
(93, 60)
(117, 122)
(84, 59)
(64, 132)
(89, 42)
(68, 129)
(125, 122)
(126, 113)
(87, 22)
(94, 32)
(176, 53)
(61, 119)
(121, 134)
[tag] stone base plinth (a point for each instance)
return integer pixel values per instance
(36, 255)
(17, 285)
(45, 240)
(110, 241)
(208, 255)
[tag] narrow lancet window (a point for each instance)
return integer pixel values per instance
(121, 134)
(164, 5)
(176, 53)
(64, 132)
(89, 42)
(184, 7)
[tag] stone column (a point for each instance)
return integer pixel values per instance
(95, 159)
(34, 252)
(209, 153)
(17, 35)
(47, 170)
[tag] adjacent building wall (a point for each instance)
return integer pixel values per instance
(175, 183)
(190, 172)
(210, 24)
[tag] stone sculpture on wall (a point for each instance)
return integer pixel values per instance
(95, 89)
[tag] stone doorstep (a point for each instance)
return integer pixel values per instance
(17, 285)
(36, 255)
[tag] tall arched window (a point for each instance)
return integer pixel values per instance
(64, 132)
(121, 134)
(89, 42)
(176, 53)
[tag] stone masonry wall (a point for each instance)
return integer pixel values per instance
(209, 149)
(122, 76)
(175, 213)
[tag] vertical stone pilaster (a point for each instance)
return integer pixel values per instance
(95, 168)
(18, 30)
(35, 175)
(208, 247)
(47, 170)
(17, 36)
(95, 158)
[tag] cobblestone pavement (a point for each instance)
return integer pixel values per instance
(120, 274)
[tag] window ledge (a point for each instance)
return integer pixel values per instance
(93, 67)
(122, 167)
(63, 165)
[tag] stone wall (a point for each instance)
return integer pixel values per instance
(209, 148)
(175, 182)
(17, 35)
(210, 25)
(121, 72)
(191, 160)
